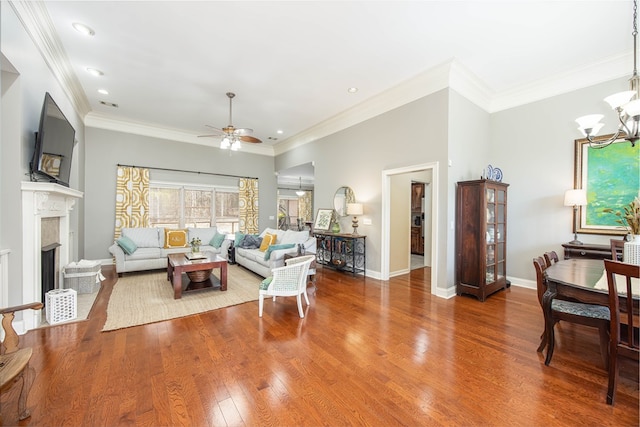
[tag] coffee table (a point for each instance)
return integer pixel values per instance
(179, 263)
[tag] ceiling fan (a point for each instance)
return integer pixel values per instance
(231, 135)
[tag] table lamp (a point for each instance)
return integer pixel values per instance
(575, 198)
(354, 209)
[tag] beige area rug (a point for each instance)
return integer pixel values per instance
(143, 298)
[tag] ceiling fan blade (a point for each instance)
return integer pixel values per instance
(215, 129)
(209, 136)
(242, 131)
(246, 138)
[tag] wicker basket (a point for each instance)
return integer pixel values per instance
(631, 254)
(84, 280)
(61, 305)
(199, 276)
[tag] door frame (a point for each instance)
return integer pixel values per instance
(386, 217)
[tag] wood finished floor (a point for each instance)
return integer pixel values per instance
(367, 353)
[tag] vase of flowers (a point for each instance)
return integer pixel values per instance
(629, 218)
(195, 244)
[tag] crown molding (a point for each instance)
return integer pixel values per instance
(608, 69)
(37, 23)
(101, 121)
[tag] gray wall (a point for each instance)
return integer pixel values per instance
(534, 146)
(106, 149)
(25, 78)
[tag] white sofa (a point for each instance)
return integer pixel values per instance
(254, 259)
(151, 253)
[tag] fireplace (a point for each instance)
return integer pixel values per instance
(49, 264)
(44, 205)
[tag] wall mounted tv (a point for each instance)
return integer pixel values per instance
(54, 145)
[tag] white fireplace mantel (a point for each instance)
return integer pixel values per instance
(42, 200)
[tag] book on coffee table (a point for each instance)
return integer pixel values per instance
(196, 255)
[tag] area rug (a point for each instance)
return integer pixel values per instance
(142, 298)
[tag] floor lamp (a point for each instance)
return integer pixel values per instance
(575, 198)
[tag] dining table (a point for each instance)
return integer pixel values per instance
(575, 279)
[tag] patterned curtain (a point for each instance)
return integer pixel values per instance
(248, 203)
(132, 198)
(305, 206)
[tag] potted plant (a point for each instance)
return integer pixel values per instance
(629, 218)
(195, 244)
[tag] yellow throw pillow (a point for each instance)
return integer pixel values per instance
(175, 238)
(267, 240)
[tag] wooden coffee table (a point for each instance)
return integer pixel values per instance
(179, 263)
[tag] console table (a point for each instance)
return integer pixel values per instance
(586, 250)
(341, 251)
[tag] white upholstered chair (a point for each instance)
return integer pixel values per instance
(287, 281)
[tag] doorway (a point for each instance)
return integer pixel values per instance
(431, 241)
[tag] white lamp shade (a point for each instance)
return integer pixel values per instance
(589, 122)
(577, 197)
(618, 99)
(354, 209)
(632, 108)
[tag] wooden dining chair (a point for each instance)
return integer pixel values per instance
(624, 318)
(551, 257)
(596, 316)
(14, 361)
(617, 249)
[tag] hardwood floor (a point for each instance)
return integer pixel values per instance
(367, 353)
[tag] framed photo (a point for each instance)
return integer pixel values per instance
(323, 220)
(611, 178)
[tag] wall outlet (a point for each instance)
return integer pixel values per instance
(271, 217)
(366, 221)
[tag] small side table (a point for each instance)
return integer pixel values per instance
(312, 270)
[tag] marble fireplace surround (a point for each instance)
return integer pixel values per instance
(43, 200)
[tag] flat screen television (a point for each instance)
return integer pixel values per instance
(54, 145)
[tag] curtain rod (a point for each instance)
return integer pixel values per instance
(182, 170)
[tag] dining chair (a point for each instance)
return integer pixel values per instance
(617, 249)
(14, 361)
(596, 316)
(287, 281)
(551, 257)
(624, 318)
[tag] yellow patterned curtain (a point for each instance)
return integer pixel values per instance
(132, 198)
(305, 206)
(248, 204)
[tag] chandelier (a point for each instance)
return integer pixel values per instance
(300, 191)
(623, 103)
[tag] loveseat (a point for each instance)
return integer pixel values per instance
(272, 254)
(140, 249)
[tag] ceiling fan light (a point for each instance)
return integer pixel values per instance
(224, 144)
(236, 145)
(618, 99)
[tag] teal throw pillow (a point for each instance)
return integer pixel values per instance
(267, 253)
(264, 285)
(127, 245)
(217, 240)
(238, 240)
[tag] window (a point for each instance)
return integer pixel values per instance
(175, 206)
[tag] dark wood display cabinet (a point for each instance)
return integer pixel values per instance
(481, 237)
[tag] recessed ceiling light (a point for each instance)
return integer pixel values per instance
(103, 91)
(81, 28)
(95, 72)
(352, 90)
(279, 132)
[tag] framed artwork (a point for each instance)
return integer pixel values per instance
(323, 220)
(611, 178)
